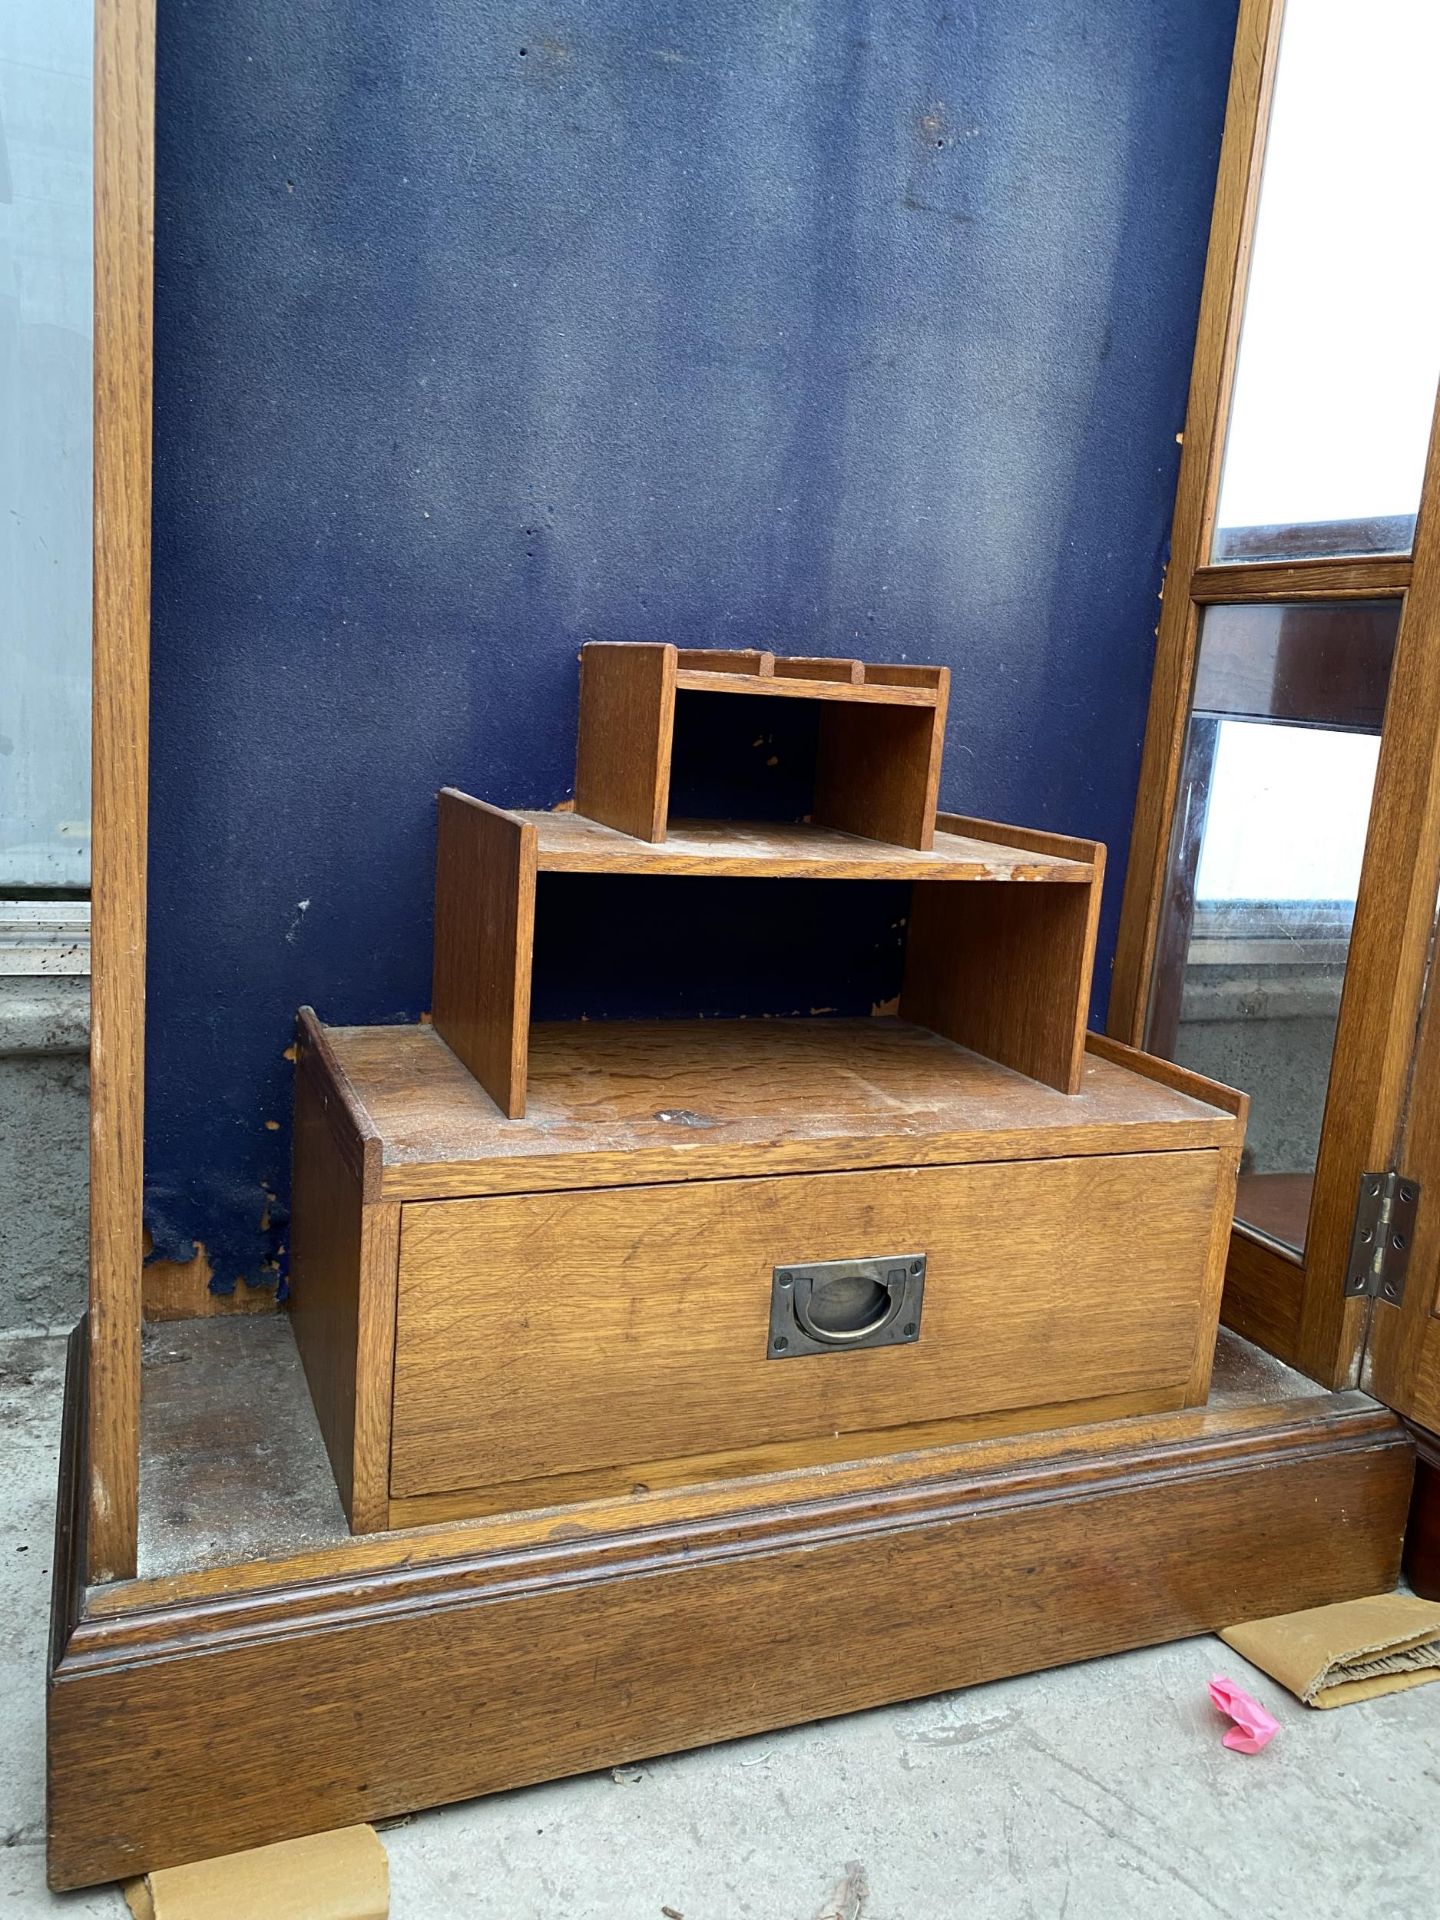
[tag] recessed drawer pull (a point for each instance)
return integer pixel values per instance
(831, 1306)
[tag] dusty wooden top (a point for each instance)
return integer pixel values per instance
(697, 680)
(629, 1102)
(570, 843)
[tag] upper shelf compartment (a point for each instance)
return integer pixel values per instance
(871, 764)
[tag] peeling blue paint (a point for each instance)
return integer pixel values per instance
(484, 330)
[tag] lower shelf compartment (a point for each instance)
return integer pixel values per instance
(431, 1664)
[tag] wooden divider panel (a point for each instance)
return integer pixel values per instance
(484, 942)
(1006, 969)
(627, 726)
(878, 769)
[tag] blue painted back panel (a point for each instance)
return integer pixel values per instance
(483, 329)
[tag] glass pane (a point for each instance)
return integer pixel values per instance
(1270, 824)
(46, 216)
(1340, 351)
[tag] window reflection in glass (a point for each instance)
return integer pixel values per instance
(1272, 812)
(1340, 350)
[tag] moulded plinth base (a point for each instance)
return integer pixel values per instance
(203, 1710)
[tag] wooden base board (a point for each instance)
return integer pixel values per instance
(205, 1712)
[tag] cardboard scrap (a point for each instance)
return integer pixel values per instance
(325, 1876)
(1329, 1656)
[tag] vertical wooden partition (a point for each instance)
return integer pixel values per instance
(124, 224)
(484, 940)
(1007, 970)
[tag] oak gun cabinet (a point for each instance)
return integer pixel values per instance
(212, 1608)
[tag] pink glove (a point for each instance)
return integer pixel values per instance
(1253, 1728)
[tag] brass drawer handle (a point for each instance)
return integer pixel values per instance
(838, 1306)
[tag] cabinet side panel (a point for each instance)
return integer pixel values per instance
(344, 1258)
(484, 943)
(326, 1208)
(1264, 1293)
(627, 721)
(1005, 969)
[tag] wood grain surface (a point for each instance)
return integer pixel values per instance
(631, 1102)
(689, 1471)
(1248, 1384)
(1005, 974)
(570, 843)
(786, 683)
(724, 660)
(627, 727)
(1264, 1290)
(1006, 971)
(120, 733)
(816, 667)
(484, 943)
(425, 1667)
(343, 1264)
(877, 772)
(550, 1334)
(1237, 582)
(1402, 1355)
(1165, 1073)
(1385, 970)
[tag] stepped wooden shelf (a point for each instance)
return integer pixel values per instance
(504, 1314)
(1001, 963)
(880, 734)
(555, 1359)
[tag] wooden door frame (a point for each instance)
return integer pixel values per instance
(124, 192)
(1293, 1305)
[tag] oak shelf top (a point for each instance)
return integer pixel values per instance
(806, 677)
(621, 1103)
(571, 843)
(698, 680)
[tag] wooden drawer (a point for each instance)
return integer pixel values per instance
(557, 1334)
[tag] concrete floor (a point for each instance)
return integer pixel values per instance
(1098, 1792)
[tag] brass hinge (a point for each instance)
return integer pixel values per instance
(1380, 1245)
